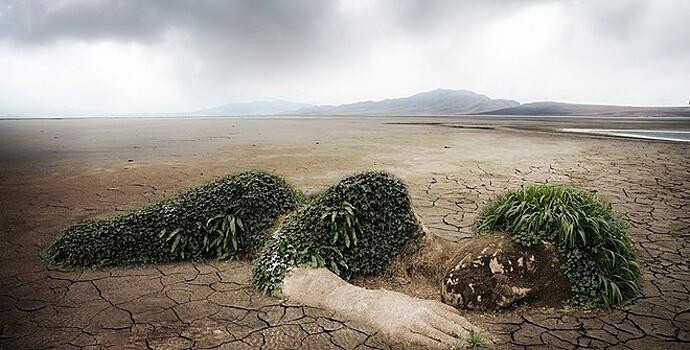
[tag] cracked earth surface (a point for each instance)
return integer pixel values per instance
(451, 173)
(651, 188)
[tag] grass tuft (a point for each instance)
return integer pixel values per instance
(475, 340)
(597, 255)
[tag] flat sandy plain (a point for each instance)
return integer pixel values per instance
(53, 172)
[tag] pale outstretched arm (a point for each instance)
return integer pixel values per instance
(401, 317)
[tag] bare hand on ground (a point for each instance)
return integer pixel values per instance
(402, 318)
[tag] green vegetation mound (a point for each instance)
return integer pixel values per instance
(596, 252)
(356, 227)
(223, 218)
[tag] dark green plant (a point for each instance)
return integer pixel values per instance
(222, 235)
(195, 224)
(356, 227)
(342, 223)
(596, 252)
(181, 244)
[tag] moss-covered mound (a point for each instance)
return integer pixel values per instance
(596, 252)
(356, 227)
(222, 218)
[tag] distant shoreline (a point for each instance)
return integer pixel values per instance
(654, 128)
(665, 135)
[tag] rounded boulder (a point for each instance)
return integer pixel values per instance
(494, 272)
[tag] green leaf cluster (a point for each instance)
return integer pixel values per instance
(597, 254)
(356, 227)
(223, 218)
(222, 236)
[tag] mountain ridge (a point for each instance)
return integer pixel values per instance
(435, 102)
(439, 102)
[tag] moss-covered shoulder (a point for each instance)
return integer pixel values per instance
(356, 227)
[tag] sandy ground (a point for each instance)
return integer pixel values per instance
(53, 172)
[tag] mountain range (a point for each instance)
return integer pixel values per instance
(439, 102)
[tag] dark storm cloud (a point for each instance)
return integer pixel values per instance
(335, 51)
(252, 29)
(243, 23)
(33, 22)
(228, 40)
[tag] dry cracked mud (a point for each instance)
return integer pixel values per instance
(210, 305)
(651, 188)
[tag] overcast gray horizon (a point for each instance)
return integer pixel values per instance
(82, 57)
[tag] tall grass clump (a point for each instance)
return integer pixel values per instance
(356, 227)
(223, 218)
(596, 252)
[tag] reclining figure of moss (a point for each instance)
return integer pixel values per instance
(356, 227)
(225, 218)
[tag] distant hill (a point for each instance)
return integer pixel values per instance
(441, 102)
(437, 102)
(569, 109)
(253, 108)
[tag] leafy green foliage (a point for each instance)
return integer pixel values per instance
(356, 227)
(475, 340)
(342, 223)
(180, 244)
(223, 218)
(597, 255)
(301, 198)
(222, 234)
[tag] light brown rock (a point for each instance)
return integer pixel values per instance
(403, 319)
(494, 272)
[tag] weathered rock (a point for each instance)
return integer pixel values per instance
(494, 272)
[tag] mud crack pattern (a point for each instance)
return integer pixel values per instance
(653, 192)
(452, 173)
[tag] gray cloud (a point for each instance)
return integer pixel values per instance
(337, 48)
(246, 30)
(284, 30)
(233, 39)
(650, 31)
(616, 19)
(422, 16)
(37, 22)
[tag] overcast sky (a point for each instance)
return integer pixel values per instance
(107, 56)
